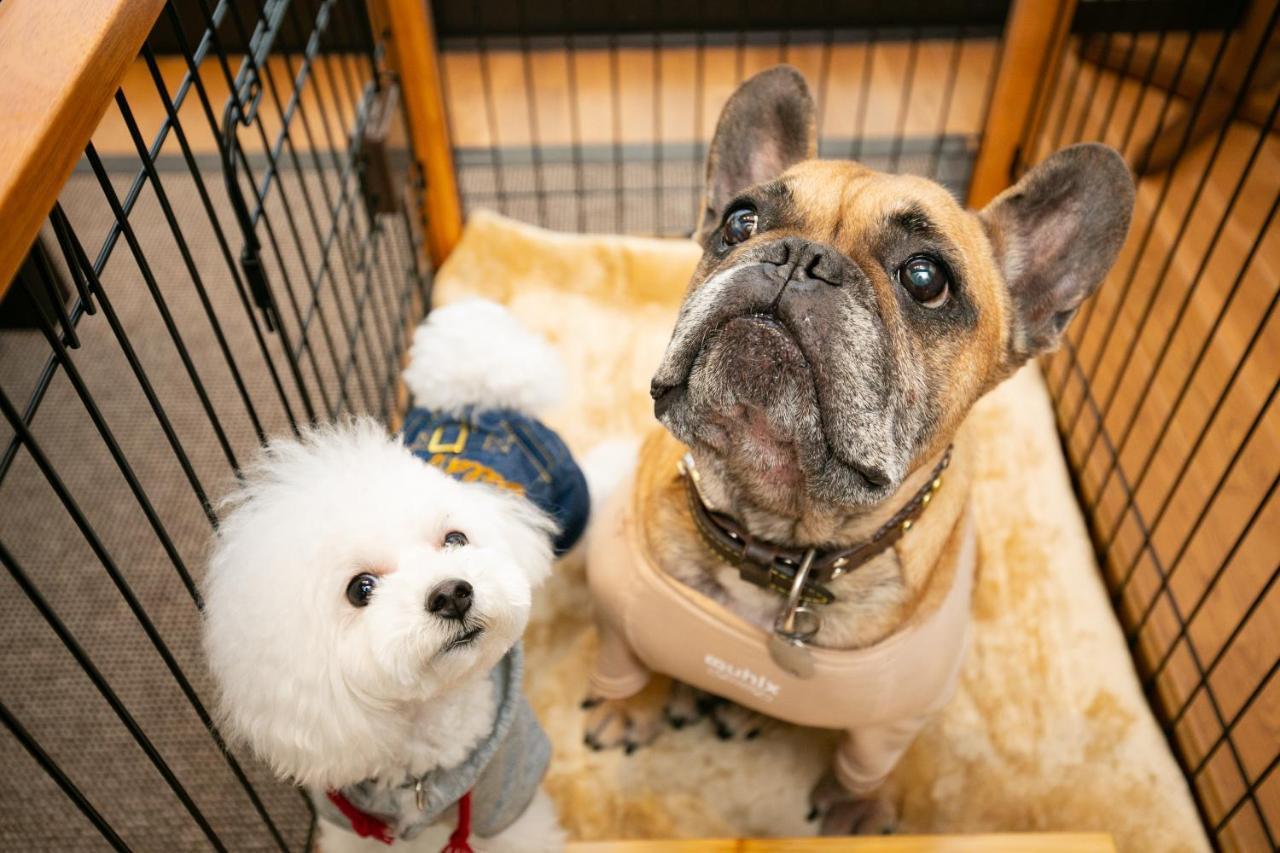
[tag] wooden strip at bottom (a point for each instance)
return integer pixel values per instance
(1064, 842)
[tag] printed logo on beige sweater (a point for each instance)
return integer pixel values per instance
(756, 684)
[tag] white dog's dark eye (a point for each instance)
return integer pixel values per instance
(926, 280)
(740, 225)
(360, 589)
(455, 539)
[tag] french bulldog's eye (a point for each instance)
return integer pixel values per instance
(455, 539)
(360, 589)
(740, 225)
(926, 280)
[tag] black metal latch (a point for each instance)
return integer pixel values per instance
(383, 159)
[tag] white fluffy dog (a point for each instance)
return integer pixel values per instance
(362, 622)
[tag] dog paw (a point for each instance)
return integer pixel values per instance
(625, 723)
(687, 705)
(843, 813)
(732, 720)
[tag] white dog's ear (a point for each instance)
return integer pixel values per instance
(527, 530)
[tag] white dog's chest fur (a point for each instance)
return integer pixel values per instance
(444, 731)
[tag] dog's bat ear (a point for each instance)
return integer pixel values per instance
(765, 127)
(1055, 234)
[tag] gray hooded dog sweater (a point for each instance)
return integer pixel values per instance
(502, 773)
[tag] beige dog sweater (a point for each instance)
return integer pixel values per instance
(880, 696)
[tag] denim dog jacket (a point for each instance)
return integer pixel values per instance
(508, 449)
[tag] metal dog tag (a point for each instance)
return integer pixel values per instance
(795, 624)
(792, 655)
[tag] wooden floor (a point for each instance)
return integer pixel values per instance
(1012, 843)
(1186, 319)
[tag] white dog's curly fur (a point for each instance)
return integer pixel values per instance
(330, 694)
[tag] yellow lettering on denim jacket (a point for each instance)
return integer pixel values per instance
(470, 471)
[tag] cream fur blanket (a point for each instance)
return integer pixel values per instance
(1048, 730)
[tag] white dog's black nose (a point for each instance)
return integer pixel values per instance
(450, 600)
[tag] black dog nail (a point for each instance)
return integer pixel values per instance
(723, 732)
(813, 813)
(590, 702)
(629, 748)
(753, 734)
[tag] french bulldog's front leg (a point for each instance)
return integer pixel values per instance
(843, 813)
(629, 723)
(850, 798)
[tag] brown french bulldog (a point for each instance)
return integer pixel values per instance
(835, 334)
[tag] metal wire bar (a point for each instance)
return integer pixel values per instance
(864, 79)
(1169, 733)
(33, 748)
(162, 134)
(1236, 456)
(948, 92)
(1203, 182)
(1154, 217)
(236, 107)
(1249, 798)
(286, 114)
(1069, 97)
(189, 262)
(369, 241)
(90, 535)
(300, 78)
(824, 71)
(1236, 630)
(615, 81)
(1189, 457)
(1235, 719)
(1093, 88)
(100, 683)
(53, 296)
(193, 74)
(1080, 327)
(699, 115)
(220, 236)
(64, 359)
(273, 151)
(531, 113)
(904, 105)
(75, 255)
(575, 118)
(658, 182)
(144, 267)
(491, 115)
(1126, 431)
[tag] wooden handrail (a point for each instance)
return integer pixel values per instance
(1034, 35)
(60, 64)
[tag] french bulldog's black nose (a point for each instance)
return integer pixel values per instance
(450, 600)
(808, 260)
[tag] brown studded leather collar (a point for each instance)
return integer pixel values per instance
(772, 566)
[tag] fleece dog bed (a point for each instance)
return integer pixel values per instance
(1048, 730)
